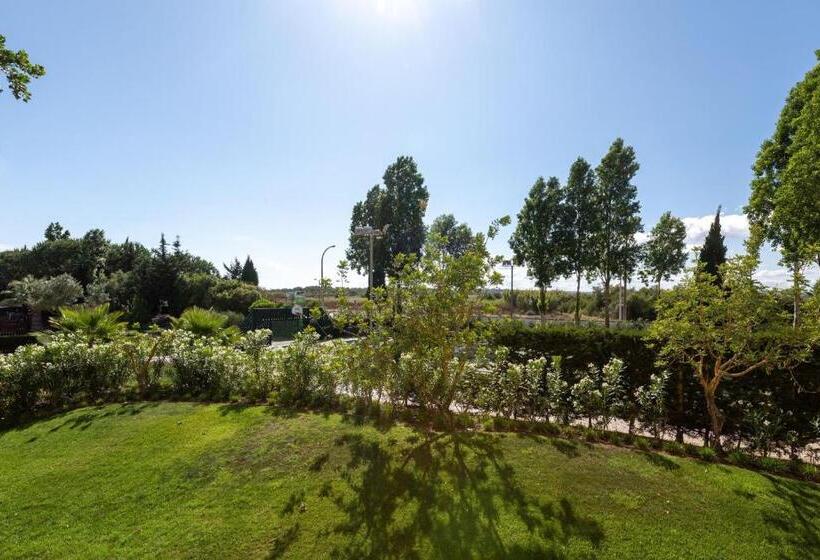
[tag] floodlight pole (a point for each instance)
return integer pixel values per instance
(322, 277)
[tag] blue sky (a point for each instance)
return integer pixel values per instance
(253, 127)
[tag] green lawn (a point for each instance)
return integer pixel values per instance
(197, 481)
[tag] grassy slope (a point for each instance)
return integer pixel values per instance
(187, 480)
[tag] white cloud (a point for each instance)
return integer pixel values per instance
(731, 225)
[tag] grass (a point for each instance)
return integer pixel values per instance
(195, 481)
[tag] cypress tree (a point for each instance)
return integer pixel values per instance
(713, 252)
(249, 274)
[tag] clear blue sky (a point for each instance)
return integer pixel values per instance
(253, 127)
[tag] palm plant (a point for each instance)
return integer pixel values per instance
(204, 322)
(95, 323)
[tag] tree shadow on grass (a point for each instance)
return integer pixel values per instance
(660, 460)
(800, 531)
(446, 495)
(84, 420)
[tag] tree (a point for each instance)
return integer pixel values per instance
(422, 346)
(784, 205)
(401, 204)
(458, 237)
(619, 213)
(725, 332)
(44, 294)
(233, 271)
(713, 252)
(249, 274)
(55, 231)
(665, 251)
(18, 70)
(581, 224)
(538, 240)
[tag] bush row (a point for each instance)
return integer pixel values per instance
(787, 400)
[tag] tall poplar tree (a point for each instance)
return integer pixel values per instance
(619, 212)
(400, 203)
(581, 225)
(538, 240)
(664, 253)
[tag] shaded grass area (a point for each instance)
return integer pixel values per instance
(192, 481)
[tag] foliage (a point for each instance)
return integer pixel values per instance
(599, 393)
(713, 253)
(401, 204)
(249, 274)
(18, 70)
(665, 251)
(420, 328)
(233, 271)
(458, 236)
(783, 206)
(539, 239)
(94, 324)
(651, 403)
(305, 378)
(619, 213)
(263, 303)
(716, 331)
(204, 322)
(580, 224)
(45, 294)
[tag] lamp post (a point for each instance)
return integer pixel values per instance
(322, 276)
(372, 233)
(510, 264)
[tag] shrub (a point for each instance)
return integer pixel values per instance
(304, 376)
(204, 367)
(96, 323)
(674, 448)
(263, 303)
(707, 454)
(205, 322)
(738, 457)
(651, 401)
(772, 465)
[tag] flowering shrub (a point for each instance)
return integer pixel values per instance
(651, 403)
(304, 375)
(599, 393)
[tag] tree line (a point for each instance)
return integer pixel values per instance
(142, 282)
(586, 228)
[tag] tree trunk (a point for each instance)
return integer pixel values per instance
(578, 298)
(796, 303)
(542, 297)
(679, 426)
(36, 320)
(715, 415)
(606, 301)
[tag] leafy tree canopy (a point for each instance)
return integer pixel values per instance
(665, 251)
(457, 236)
(18, 70)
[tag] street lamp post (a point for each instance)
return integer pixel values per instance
(510, 264)
(372, 233)
(322, 277)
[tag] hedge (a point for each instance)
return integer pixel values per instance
(796, 393)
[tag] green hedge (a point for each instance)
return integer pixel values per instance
(796, 393)
(9, 344)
